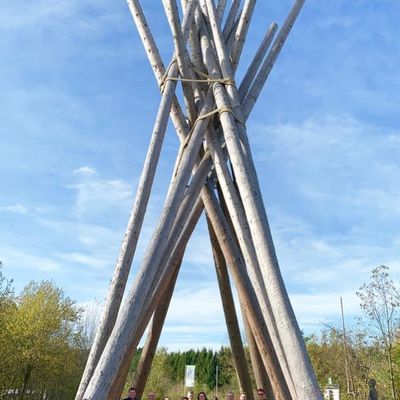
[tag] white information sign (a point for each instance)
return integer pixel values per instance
(189, 375)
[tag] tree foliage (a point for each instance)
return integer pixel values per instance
(40, 343)
(168, 371)
(380, 303)
(45, 339)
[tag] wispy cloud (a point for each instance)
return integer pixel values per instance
(15, 209)
(84, 259)
(335, 161)
(98, 196)
(28, 261)
(85, 171)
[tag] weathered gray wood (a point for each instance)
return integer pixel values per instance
(221, 9)
(243, 234)
(231, 320)
(257, 60)
(165, 284)
(119, 347)
(260, 375)
(160, 294)
(156, 62)
(300, 368)
(151, 279)
(258, 366)
(174, 260)
(246, 293)
(272, 55)
(229, 39)
(231, 18)
(143, 368)
(171, 10)
(129, 243)
(259, 372)
(239, 220)
(241, 32)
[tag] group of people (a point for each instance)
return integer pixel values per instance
(132, 395)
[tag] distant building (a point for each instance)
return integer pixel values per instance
(331, 391)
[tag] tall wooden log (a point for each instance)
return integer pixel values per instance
(231, 18)
(257, 60)
(170, 271)
(259, 372)
(129, 243)
(221, 9)
(260, 375)
(246, 293)
(272, 56)
(171, 10)
(156, 63)
(241, 32)
(119, 347)
(239, 218)
(300, 367)
(239, 356)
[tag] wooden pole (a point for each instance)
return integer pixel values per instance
(300, 367)
(221, 9)
(246, 293)
(272, 56)
(142, 371)
(232, 323)
(231, 18)
(260, 375)
(171, 10)
(239, 219)
(257, 60)
(156, 62)
(241, 32)
(129, 243)
(170, 271)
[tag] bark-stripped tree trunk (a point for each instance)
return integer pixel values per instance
(239, 356)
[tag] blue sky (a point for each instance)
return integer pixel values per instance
(78, 104)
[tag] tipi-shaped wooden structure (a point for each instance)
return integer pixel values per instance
(214, 173)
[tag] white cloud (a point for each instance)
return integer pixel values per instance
(95, 197)
(15, 209)
(27, 260)
(315, 311)
(84, 259)
(186, 301)
(42, 12)
(85, 171)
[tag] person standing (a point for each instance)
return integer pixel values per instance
(132, 393)
(373, 394)
(230, 396)
(202, 396)
(261, 394)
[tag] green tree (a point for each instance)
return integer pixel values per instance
(7, 308)
(46, 347)
(327, 355)
(159, 379)
(380, 303)
(226, 370)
